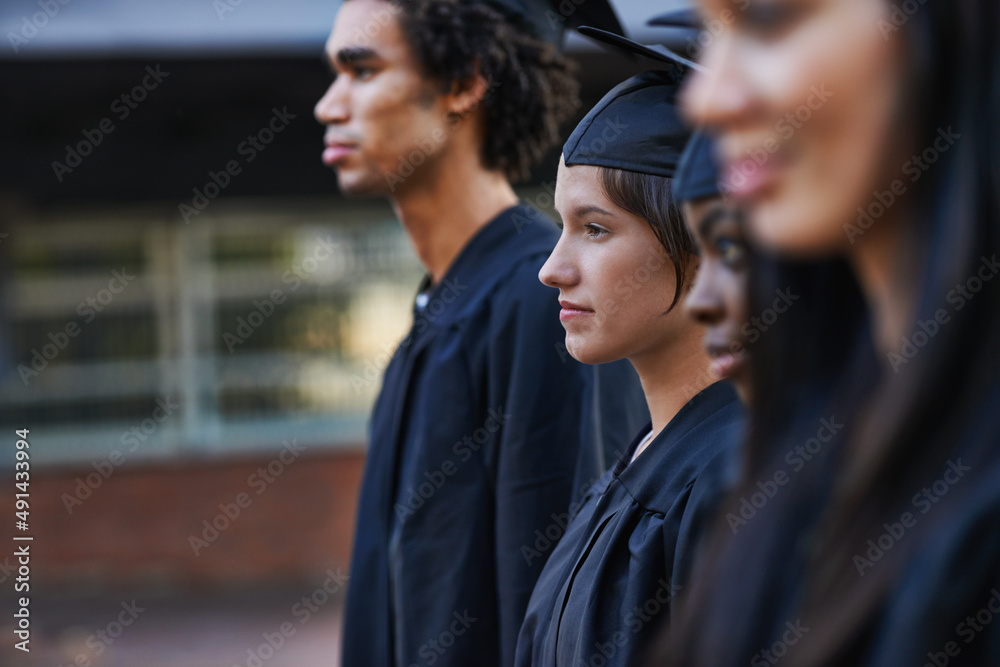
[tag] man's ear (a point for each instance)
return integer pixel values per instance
(466, 96)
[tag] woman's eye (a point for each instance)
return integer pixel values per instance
(594, 231)
(731, 251)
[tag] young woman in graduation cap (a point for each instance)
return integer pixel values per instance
(622, 265)
(883, 546)
(718, 296)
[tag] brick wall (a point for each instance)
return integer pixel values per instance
(135, 529)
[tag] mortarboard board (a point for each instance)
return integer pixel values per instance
(678, 18)
(631, 48)
(635, 127)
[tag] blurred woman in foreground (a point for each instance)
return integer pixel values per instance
(861, 138)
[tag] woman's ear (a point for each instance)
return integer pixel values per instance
(465, 96)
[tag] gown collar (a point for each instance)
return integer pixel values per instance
(516, 232)
(685, 444)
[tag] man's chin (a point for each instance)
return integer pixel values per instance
(353, 184)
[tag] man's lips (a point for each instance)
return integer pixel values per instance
(335, 152)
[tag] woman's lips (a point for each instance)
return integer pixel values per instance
(746, 178)
(572, 311)
(335, 152)
(751, 163)
(726, 363)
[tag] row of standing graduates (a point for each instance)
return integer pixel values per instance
(798, 538)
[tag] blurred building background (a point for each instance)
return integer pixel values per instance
(194, 325)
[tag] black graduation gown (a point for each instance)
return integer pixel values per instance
(611, 581)
(484, 432)
(945, 608)
(942, 608)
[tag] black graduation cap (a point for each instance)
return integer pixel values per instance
(678, 18)
(698, 171)
(632, 48)
(635, 127)
(548, 19)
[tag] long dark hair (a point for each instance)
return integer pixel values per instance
(904, 417)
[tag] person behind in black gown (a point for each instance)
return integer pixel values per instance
(622, 265)
(861, 139)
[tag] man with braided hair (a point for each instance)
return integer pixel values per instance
(485, 430)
